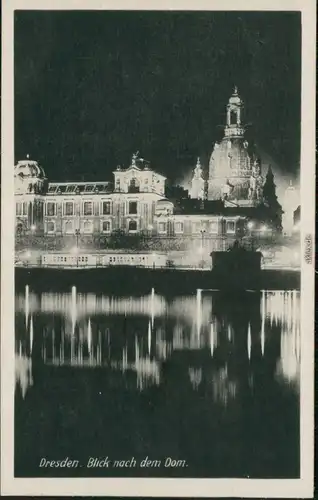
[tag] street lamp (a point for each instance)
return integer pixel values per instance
(32, 229)
(153, 260)
(75, 250)
(77, 234)
(202, 231)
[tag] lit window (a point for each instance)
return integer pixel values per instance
(213, 227)
(179, 227)
(50, 209)
(132, 207)
(50, 227)
(89, 188)
(162, 227)
(69, 208)
(230, 227)
(132, 226)
(106, 208)
(71, 188)
(106, 226)
(88, 208)
(196, 227)
(69, 228)
(87, 227)
(18, 209)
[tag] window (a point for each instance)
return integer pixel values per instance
(178, 227)
(69, 208)
(18, 209)
(88, 208)
(69, 228)
(196, 227)
(213, 227)
(89, 188)
(87, 227)
(50, 227)
(162, 227)
(230, 227)
(106, 226)
(50, 209)
(233, 117)
(132, 207)
(133, 186)
(71, 188)
(106, 208)
(132, 226)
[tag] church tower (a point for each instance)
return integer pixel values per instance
(197, 189)
(232, 166)
(290, 204)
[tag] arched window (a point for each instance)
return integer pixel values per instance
(233, 117)
(69, 228)
(132, 226)
(133, 186)
(106, 226)
(50, 227)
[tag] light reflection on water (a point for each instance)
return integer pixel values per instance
(134, 336)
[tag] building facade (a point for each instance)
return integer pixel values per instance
(234, 168)
(134, 203)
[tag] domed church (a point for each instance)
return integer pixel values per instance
(235, 170)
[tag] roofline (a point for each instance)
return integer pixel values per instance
(80, 183)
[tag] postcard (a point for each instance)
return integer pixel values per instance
(158, 208)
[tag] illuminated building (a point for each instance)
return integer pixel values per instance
(197, 190)
(134, 203)
(235, 170)
(290, 205)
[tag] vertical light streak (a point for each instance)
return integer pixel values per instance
(263, 316)
(27, 305)
(73, 309)
(249, 340)
(199, 311)
(152, 306)
(31, 334)
(149, 338)
(89, 336)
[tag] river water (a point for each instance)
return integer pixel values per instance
(203, 385)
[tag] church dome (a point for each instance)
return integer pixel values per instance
(29, 169)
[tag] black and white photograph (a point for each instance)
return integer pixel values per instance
(159, 244)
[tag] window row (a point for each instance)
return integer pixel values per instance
(87, 227)
(21, 209)
(212, 227)
(87, 208)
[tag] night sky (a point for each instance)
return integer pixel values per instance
(93, 87)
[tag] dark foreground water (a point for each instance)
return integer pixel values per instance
(203, 385)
